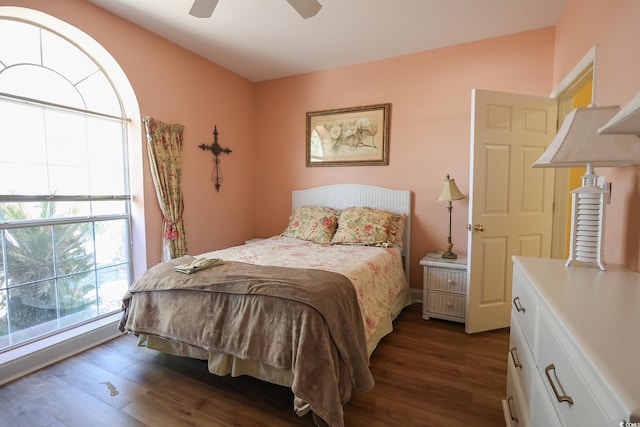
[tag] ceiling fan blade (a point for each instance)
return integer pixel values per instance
(203, 8)
(306, 8)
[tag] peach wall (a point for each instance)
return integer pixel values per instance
(176, 86)
(430, 97)
(430, 93)
(613, 26)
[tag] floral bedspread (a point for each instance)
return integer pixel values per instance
(376, 273)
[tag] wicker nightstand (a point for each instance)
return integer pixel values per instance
(444, 287)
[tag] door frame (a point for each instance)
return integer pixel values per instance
(583, 72)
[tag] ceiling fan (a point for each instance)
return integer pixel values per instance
(306, 8)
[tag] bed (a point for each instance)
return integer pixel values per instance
(304, 309)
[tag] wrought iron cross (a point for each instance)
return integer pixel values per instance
(216, 149)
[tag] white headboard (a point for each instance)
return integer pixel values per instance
(342, 196)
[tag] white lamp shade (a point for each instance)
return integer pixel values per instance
(450, 191)
(626, 121)
(578, 142)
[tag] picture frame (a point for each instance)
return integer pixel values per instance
(355, 136)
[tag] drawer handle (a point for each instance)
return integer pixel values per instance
(511, 411)
(561, 398)
(518, 306)
(515, 358)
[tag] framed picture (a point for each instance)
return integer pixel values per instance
(357, 136)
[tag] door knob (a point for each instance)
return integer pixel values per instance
(476, 227)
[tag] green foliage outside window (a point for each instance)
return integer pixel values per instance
(50, 270)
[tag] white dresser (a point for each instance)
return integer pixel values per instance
(574, 352)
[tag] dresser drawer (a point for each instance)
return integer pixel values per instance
(525, 305)
(521, 359)
(571, 397)
(441, 279)
(524, 370)
(446, 303)
(540, 408)
(513, 406)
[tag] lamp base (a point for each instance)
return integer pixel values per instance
(588, 205)
(448, 254)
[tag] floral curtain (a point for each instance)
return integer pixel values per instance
(164, 145)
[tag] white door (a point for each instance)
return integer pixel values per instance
(510, 204)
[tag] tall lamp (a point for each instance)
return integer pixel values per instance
(578, 143)
(450, 192)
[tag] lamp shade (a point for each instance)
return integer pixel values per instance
(626, 121)
(578, 142)
(450, 191)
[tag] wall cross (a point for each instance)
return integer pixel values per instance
(216, 149)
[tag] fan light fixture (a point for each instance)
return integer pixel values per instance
(306, 8)
(576, 144)
(205, 8)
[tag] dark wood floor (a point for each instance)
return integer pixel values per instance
(428, 373)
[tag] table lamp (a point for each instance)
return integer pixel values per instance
(576, 144)
(450, 192)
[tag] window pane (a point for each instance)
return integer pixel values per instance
(111, 242)
(109, 207)
(16, 211)
(74, 248)
(2, 275)
(46, 151)
(32, 305)
(64, 57)
(106, 152)
(22, 150)
(29, 255)
(113, 284)
(25, 52)
(99, 95)
(66, 145)
(33, 81)
(4, 320)
(71, 209)
(77, 298)
(23, 133)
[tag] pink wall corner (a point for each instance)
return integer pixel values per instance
(176, 86)
(430, 93)
(613, 26)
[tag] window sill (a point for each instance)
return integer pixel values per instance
(31, 357)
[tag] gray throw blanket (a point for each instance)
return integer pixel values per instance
(302, 320)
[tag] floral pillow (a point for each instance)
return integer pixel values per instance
(316, 224)
(363, 226)
(396, 229)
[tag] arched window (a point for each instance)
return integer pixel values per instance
(65, 185)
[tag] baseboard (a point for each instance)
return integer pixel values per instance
(29, 358)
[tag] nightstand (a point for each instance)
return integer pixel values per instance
(444, 287)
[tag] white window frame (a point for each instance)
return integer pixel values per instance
(31, 357)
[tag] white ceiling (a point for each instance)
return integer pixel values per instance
(267, 39)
